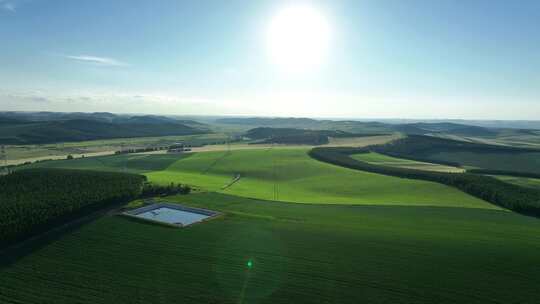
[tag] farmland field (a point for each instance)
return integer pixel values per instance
(282, 175)
(520, 181)
(384, 160)
(300, 253)
(17, 154)
(523, 162)
(291, 175)
(133, 163)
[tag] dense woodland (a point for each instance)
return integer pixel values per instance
(37, 199)
(513, 197)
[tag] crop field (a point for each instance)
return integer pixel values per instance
(384, 160)
(361, 141)
(299, 253)
(291, 175)
(132, 163)
(523, 162)
(520, 181)
(17, 154)
(278, 174)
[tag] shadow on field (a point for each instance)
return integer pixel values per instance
(13, 253)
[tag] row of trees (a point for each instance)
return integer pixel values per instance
(150, 189)
(38, 199)
(513, 197)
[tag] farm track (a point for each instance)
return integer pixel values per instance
(235, 179)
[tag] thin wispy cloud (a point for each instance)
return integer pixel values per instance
(8, 5)
(102, 61)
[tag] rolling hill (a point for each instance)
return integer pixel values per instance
(41, 132)
(467, 154)
(355, 126)
(297, 136)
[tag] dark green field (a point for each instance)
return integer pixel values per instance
(133, 163)
(465, 154)
(520, 181)
(300, 254)
(521, 162)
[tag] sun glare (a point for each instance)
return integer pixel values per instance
(298, 38)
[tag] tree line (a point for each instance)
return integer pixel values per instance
(35, 200)
(150, 189)
(506, 195)
(420, 147)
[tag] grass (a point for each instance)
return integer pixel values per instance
(300, 254)
(278, 174)
(132, 163)
(384, 160)
(361, 141)
(522, 162)
(520, 181)
(21, 153)
(291, 175)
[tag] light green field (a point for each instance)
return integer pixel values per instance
(278, 174)
(291, 175)
(384, 160)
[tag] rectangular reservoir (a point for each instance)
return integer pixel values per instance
(172, 214)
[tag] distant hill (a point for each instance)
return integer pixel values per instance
(295, 136)
(308, 123)
(363, 126)
(444, 127)
(421, 145)
(460, 153)
(39, 131)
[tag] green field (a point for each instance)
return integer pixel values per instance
(132, 163)
(278, 174)
(20, 153)
(522, 162)
(520, 181)
(291, 175)
(384, 160)
(301, 254)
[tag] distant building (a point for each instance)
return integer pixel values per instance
(178, 148)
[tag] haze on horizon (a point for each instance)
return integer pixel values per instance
(371, 59)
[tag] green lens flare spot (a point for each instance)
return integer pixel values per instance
(250, 264)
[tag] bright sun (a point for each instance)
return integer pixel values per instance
(298, 38)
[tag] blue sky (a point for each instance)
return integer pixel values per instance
(385, 59)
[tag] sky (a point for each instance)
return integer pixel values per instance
(418, 59)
